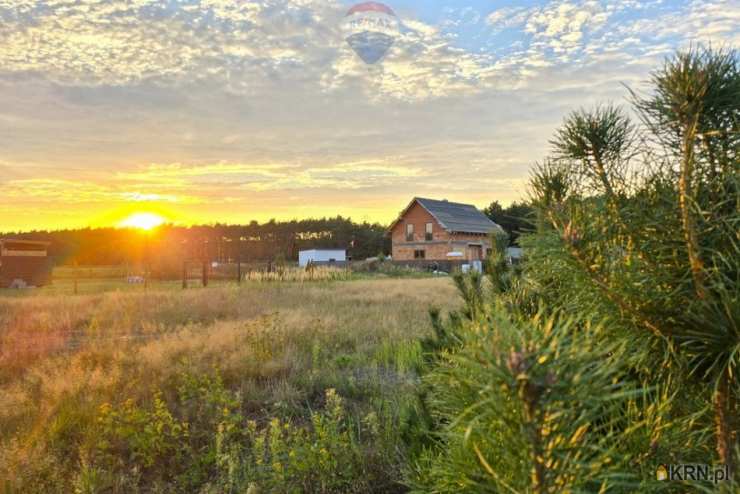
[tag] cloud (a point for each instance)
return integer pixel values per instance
(508, 17)
(706, 21)
(182, 171)
(348, 175)
(421, 65)
(74, 192)
(115, 42)
(55, 191)
(139, 197)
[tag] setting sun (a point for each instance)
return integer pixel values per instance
(144, 221)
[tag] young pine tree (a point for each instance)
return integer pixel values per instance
(618, 347)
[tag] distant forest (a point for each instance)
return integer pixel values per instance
(168, 244)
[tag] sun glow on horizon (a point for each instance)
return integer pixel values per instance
(142, 221)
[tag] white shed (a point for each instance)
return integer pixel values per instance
(322, 256)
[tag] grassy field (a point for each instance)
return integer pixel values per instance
(69, 280)
(263, 387)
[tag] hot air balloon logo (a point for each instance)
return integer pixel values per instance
(661, 473)
(371, 29)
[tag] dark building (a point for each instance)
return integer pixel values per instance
(24, 263)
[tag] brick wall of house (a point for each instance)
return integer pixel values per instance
(419, 217)
(441, 244)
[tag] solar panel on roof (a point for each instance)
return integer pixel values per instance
(456, 217)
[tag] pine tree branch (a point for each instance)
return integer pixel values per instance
(685, 200)
(603, 286)
(724, 407)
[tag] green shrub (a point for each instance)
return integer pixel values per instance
(615, 347)
(202, 442)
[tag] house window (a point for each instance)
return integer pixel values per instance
(429, 234)
(419, 254)
(409, 233)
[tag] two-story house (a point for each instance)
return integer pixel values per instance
(432, 230)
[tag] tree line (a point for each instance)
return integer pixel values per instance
(516, 219)
(253, 242)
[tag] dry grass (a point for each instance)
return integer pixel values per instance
(301, 275)
(279, 345)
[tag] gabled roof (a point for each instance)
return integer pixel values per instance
(454, 217)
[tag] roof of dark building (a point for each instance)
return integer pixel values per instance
(454, 217)
(12, 244)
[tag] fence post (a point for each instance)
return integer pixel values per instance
(239, 265)
(206, 262)
(184, 275)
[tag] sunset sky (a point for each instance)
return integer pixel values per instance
(232, 110)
